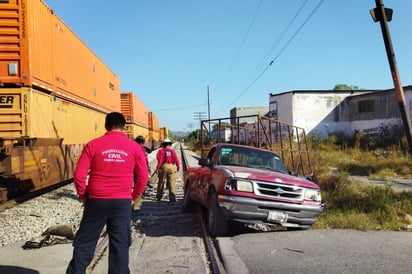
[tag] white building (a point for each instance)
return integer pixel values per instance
(247, 111)
(372, 112)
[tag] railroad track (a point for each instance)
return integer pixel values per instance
(7, 205)
(166, 240)
(21, 198)
(215, 264)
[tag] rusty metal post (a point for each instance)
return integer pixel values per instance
(379, 14)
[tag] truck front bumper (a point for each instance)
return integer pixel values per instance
(249, 210)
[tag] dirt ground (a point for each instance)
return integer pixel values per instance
(165, 240)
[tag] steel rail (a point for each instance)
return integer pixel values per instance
(24, 197)
(212, 256)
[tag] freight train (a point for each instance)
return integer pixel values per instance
(54, 96)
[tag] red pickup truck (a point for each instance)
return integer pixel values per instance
(251, 185)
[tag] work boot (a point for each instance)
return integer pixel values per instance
(172, 197)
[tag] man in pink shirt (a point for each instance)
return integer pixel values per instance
(110, 174)
(141, 140)
(139, 202)
(168, 165)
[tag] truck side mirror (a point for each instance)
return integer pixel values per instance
(315, 179)
(204, 162)
(293, 173)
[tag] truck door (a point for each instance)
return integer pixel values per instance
(204, 180)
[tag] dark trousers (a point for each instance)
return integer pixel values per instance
(116, 215)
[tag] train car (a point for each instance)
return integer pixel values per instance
(136, 115)
(26, 111)
(38, 50)
(42, 137)
(54, 96)
(133, 130)
(154, 131)
(133, 109)
(163, 133)
(154, 139)
(153, 122)
(31, 164)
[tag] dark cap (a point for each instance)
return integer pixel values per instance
(140, 139)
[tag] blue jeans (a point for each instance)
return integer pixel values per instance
(116, 215)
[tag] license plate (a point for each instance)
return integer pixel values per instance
(277, 217)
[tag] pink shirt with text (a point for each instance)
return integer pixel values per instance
(111, 167)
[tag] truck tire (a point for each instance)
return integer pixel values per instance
(187, 205)
(216, 221)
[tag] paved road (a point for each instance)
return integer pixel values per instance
(319, 251)
(395, 183)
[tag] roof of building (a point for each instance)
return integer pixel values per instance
(352, 91)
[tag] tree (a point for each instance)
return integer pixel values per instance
(344, 87)
(193, 136)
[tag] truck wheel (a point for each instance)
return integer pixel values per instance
(187, 205)
(216, 221)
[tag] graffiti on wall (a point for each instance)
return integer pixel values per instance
(383, 132)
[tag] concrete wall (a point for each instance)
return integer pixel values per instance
(245, 111)
(281, 107)
(318, 112)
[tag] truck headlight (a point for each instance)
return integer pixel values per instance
(244, 186)
(238, 185)
(312, 195)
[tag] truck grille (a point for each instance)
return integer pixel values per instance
(288, 192)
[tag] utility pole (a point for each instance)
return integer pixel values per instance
(384, 15)
(190, 126)
(199, 116)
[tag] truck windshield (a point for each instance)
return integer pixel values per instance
(250, 157)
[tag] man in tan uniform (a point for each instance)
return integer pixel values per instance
(168, 165)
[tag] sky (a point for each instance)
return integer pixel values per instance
(191, 59)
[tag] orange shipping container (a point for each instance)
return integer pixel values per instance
(163, 133)
(133, 130)
(153, 122)
(154, 138)
(38, 50)
(134, 110)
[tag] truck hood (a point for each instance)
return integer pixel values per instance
(267, 176)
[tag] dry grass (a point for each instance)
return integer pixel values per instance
(350, 204)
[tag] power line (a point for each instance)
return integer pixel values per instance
(179, 108)
(274, 45)
(243, 40)
(280, 52)
(299, 29)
